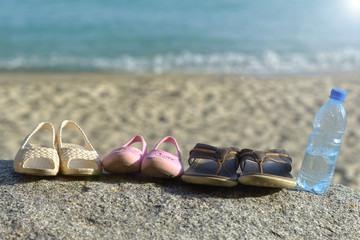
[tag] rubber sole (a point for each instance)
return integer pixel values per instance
(267, 180)
(37, 172)
(120, 167)
(161, 168)
(81, 172)
(209, 180)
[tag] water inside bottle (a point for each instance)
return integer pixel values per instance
(317, 170)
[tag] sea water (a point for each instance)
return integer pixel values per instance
(228, 36)
(317, 171)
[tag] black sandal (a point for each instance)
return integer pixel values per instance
(212, 166)
(266, 168)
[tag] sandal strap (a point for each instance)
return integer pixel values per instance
(274, 155)
(72, 125)
(40, 126)
(137, 138)
(169, 139)
(219, 155)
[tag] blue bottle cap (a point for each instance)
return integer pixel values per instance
(338, 94)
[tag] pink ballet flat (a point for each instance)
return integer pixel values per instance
(126, 159)
(161, 164)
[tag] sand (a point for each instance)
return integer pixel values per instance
(244, 112)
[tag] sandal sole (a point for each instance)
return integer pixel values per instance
(81, 172)
(209, 180)
(36, 172)
(267, 180)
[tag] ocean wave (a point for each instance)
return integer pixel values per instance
(269, 62)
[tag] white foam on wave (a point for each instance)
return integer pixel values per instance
(269, 62)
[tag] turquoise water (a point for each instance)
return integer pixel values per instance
(246, 37)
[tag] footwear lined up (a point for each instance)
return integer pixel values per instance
(208, 165)
(212, 166)
(76, 159)
(68, 158)
(126, 159)
(266, 168)
(156, 163)
(35, 159)
(162, 164)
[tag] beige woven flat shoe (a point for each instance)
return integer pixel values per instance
(76, 159)
(37, 159)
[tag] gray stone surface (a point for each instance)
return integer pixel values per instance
(137, 207)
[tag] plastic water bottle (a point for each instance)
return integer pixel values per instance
(324, 144)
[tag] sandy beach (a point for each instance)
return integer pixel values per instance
(244, 112)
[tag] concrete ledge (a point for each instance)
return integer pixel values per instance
(137, 207)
